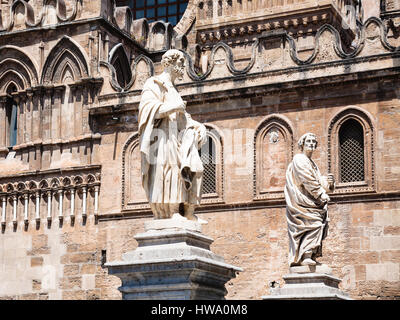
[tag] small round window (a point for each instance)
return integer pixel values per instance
(167, 10)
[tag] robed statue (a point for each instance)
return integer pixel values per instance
(306, 194)
(169, 144)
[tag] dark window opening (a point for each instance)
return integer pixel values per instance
(11, 116)
(121, 78)
(208, 157)
(351, 152)
(167, 10)
(122, 68)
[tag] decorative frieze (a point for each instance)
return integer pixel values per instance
(292, 25)
(241, 18)
(273, 150)
(58, 192)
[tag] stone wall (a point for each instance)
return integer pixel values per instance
(257, 92)
(65, 263)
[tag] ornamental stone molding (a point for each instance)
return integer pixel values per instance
(222, 53)
(62, 194)
(365, 120)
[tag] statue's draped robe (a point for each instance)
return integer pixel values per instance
(307, 217)
(171, 165)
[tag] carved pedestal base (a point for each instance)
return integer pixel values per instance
(308, 283)
(173, 261)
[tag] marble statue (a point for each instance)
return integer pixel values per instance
(306, 205)
(169, 142)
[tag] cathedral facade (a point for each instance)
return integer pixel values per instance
(259, 74)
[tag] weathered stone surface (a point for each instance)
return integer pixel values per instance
(75, 124)
(172, 263)
(308, 286)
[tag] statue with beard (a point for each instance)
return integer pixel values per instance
(169, 142)
(306, 204)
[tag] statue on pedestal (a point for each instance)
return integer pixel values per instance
(169, 142)
(306, 194)
(306, 205)
(173, 259)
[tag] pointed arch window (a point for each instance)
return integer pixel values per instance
(12, 117)
(208, 157)
(211, 154)
(120, 61)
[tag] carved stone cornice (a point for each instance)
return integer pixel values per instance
(293, 17)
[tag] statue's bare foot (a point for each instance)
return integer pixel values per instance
(308, 262)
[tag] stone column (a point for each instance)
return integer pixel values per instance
(85, 108)
(3, 123)
(72, 213)
(24, 131)
(46, 134)
(96, 200)
(60, 203)
(244, 5)
(3, 209)
(199, 11)
(37, 207)
(41, 54)
(99, 51)
(84, 195)
(46, 129)
(67, 113)
(15, 203)
(56, 120)
(20, 118)
(26, 208)
(212, 7)
(57, 125)
(49, 195)
(3, 127)
(76, 92)
(234, 7)
(36, 116)
(106, 46)
(28, 119)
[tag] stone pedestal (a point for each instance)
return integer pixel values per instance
(173, 261)
(308, 283)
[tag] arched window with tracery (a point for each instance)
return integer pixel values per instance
(212, 157)
(11, 117)
(351, 151)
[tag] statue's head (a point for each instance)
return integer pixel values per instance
(308, 142)
(173, 61)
